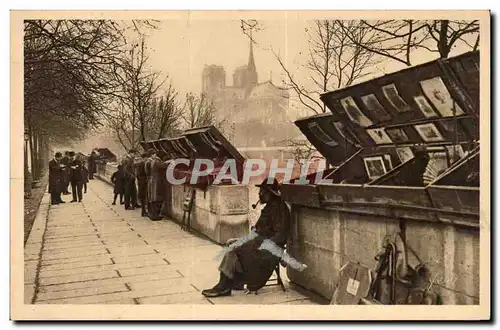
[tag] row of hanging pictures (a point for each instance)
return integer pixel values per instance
(377, 166)
(428, 132)
(434, 90)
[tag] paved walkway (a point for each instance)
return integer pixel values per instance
(94, 253)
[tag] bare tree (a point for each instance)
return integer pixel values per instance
(142, 110)
(200, 111)
(397, 39)
(69, 77)
(334, 62)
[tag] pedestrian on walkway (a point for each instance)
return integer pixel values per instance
(85, 173)
(66, 161)
(118, 179)
(92, 165)
(130, 188)
(142, 183)
(76, 176)
(156, 186)
(56, 179)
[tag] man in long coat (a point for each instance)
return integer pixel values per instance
(253, 261)
(56, 179)
(142, 184)
(156, 185)
(66, 161)
(129, 166)
(77, 179)
(92, 164)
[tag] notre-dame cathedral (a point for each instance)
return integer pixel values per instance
(252, 113)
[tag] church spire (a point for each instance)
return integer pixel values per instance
(251, 68)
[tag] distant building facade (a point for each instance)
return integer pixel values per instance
(253, 113)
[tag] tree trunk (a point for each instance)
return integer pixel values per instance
(36, 156)
(443, 46)
(32, 158)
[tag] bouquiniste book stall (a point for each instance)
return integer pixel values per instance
(405, 147)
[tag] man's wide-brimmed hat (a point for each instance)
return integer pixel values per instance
(273, 188)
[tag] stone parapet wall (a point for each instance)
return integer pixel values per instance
(219, 212)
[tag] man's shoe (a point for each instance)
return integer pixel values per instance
(113, 203)
(239, 287)
(73, 201)
(213, 293)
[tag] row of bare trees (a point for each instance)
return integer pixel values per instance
(149, 107)
(344, 52)
(69, 68)
(80, 75)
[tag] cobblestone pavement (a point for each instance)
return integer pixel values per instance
(97, 253)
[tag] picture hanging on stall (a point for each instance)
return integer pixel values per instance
(455, 152)
(374, 166)
(210, 142)
(346, 134)
(388, 161)
(354, 113)
(405, 154)
(438, 163)
(179, 148)
(429, 132)
(375, 108)
(392, 95)
(425, 107)
(438, 94)
(321, 135)
(379, 136)
(397, 134)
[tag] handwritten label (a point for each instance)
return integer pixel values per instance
(352, 286)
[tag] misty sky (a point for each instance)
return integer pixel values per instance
(181, 47)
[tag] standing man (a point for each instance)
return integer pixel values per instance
(66, 161)
(77, 179)
(142, 183)
(156, 186)
(56, 179)
(92, 165)
(128, 164)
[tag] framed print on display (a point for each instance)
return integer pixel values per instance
(429, 132)
(389, 161)
(392, 95)
(375, 108)
(405, 154)
(438, 94)
(345, 132)
(379, 136)
(374, 166)
(424, 106)
(322, 135)
(455, 152)
(354, 113)
(397, 134)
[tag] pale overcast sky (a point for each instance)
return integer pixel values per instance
(181, 47)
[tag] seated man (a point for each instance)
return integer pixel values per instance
(251, 260)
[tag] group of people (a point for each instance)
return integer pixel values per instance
(141, 181)
(65, 171)
(248, 261)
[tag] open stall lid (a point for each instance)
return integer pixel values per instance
(330, 136)
(106, 153)
(210, 143)
(429, 104)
